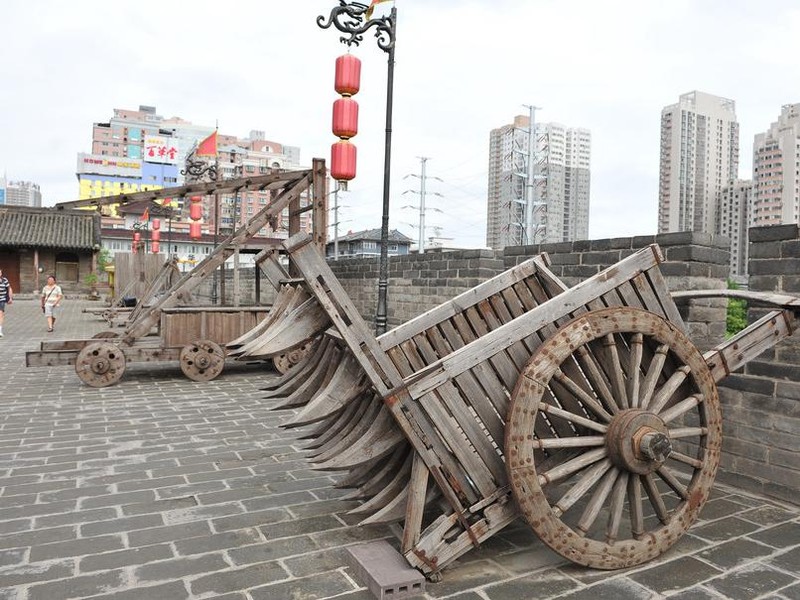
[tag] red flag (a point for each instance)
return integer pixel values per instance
(145, 214)
(208, 147)
(372, 7)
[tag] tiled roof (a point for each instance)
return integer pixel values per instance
(48, 228)
(375, 235)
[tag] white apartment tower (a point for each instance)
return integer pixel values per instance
(699, 157)
(561, 183)
(734, 219)
(776, 171)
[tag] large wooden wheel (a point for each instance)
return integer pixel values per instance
(202, 360)
(100, 364)
(613, 438)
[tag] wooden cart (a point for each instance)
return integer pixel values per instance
(102, 362)
(586, 410)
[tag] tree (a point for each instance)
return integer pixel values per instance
(737, 313)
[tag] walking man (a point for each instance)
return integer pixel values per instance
(6, 297)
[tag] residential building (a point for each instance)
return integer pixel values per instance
(20, 193)
(560, 190)
(776, 171)
(699, 157)
(734, 211)
(139, 150)
(368, 243)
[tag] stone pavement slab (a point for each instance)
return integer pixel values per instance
(164, 488)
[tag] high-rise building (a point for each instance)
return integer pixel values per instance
(561, 184)
(699, 156)
(776, 171)
(734, 219)
(20, 193)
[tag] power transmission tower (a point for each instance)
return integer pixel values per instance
(423, 178)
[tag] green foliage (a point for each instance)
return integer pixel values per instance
(103, 259)
(90, 279)
(737, 313)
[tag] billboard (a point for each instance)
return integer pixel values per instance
(160, 149)
(109, 165)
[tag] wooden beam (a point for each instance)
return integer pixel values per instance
(193, 189)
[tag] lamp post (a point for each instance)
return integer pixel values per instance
(351, 19)
(196, 170)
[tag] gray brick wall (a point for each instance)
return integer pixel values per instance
(761, 404)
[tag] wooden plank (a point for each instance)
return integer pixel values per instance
(458, 304)
(415, 505)
(132, 354)
(498, 340)
(749, 343)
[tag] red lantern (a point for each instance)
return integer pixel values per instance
(137, 237)
(348, 75)
(195, 211)
(154, 246)
(195, 231)
(343, 161)
(156, 224)
(345, 118)
(155, 235)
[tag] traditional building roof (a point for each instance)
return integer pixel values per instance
(375, 235)
(24, 227)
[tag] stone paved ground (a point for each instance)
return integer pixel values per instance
(163, 488)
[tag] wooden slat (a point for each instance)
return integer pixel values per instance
(498, 340)
(415, 506)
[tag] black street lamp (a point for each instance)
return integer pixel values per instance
(352, 19)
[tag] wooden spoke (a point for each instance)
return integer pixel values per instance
(653, 373)
(635, 507)
(595, 376)
(617, 506)
(582, 395)
(581, 441)
(655, 497)
(681, 408)
(625, 418)
(634, 369)
(683, 432)
(597, 500)
(617, 375)
(577, 419)
(672, 481)
(572, 466)
(662, 396)
(687, 460)
(583, 485)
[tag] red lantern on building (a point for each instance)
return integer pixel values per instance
(348, 75)
(343, 161)
(345, 118)
(195, 231)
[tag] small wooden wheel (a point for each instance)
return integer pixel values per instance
(613, 438)
(285, 362)
(202, 360)
(100, 364)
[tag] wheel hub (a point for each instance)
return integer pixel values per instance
(638, 441)
(100, 366)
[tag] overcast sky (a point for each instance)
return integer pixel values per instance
(463, 68)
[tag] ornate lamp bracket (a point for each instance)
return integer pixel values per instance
(350, 19)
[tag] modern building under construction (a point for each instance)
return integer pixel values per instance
(538, 196)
